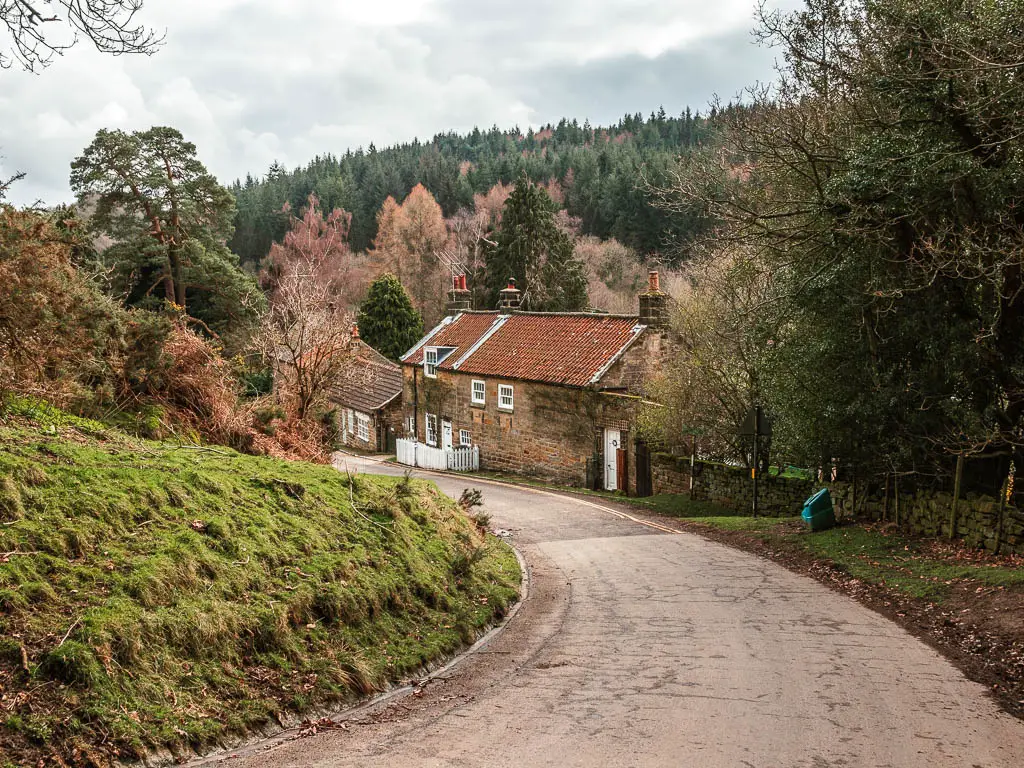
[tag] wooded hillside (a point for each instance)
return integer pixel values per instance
(597, 175)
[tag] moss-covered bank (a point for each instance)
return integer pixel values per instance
(163, 596)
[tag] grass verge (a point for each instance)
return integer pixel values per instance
(159, 596)
(877, 554)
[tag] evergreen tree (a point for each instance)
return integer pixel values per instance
(387, 320)
(532, 249)
(169, 219)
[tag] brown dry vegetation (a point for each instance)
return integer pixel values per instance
(63, 342)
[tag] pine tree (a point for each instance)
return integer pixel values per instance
(169, 219)
(532, 249)
(387, 320)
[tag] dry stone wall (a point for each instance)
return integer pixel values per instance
(730, 487)
(926, 513)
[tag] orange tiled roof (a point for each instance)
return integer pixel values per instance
(460, 333)
(558, 348)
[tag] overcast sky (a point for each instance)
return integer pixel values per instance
(252, 81)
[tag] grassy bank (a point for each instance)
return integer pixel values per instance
(154, 595)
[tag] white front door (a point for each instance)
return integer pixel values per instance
(612, 442)
(446, 435)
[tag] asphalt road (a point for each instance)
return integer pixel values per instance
(640, 647)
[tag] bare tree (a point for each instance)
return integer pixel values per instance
(306, 335)
(109, 24)
(5, 184)
(877, 182)
(713, 379)
(317, 244)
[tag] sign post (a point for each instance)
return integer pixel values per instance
(755, 425)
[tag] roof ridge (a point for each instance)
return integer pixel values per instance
(379, 358)
(599, 315)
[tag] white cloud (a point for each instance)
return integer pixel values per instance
(251, 81)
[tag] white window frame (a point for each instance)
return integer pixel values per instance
(482, 400)
(465, 438)
(430, 362)
(410, 426)
(506, 392)
(350, 421)
(363, 426)
(430, 428)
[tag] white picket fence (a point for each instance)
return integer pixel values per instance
(416, 454)
(464, 459)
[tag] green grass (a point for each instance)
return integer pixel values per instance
(166, 595)
(913, 566)
(917, 567)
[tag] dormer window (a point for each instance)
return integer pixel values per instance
(433, 357)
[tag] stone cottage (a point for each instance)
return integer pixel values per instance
(368, 399)
(552, 395)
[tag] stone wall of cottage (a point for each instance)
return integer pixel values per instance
(387, 418)
(730, 487)
(392, 416)
(348, 434)
(638, 364)
(927, 513)
(550, 433)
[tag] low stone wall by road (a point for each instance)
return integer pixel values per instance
(728, 486)
(926, 513)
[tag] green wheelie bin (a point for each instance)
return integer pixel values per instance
(818, 511)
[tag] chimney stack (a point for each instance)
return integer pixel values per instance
(459, 297)
(654, 304)
(355, 333)
(510, 297)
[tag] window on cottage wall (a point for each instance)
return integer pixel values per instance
(431, 425)
(363, 427)
(505, 397)
(410, 426)
(350, 418)
(465, 438)
(430, 362)
(479, 392)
